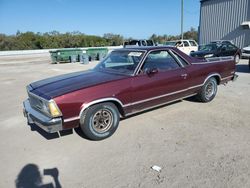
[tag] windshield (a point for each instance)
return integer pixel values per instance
(170, 43)
(208, 47)
(123, 62)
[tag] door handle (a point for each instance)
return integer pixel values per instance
(184, 76)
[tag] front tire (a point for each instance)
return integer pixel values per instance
(100, 121)
(208, 90)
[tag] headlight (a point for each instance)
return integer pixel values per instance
(209, 55)
(51, 108)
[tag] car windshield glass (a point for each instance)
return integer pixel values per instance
(170, 43)
(134, 42)
(150, 43)
(193, 43)
(208, 47)
(123, 62)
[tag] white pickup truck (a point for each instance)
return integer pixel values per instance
(186, 46)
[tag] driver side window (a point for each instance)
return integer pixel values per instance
(160, 60)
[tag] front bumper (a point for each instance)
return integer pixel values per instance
(245, 55)
(48, 124)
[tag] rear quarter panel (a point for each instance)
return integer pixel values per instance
(200, 69)
(224, 68)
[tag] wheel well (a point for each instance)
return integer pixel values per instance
(217, 79)
(119, 107)
(117, 104)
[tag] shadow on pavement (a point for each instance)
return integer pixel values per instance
(50, 136)
(80, 133)
(192, 99)
(31, 177)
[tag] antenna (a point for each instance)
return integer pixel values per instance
(182, 19)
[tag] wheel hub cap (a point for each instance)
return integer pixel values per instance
(210, 90)
(102, 120)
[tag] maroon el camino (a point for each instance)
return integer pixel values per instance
(126, 82)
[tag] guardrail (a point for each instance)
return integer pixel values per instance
(44, 51)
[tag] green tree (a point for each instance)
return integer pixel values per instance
(191, 34)
(75, 39)
(113, 39)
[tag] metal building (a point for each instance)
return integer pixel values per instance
(225, 20)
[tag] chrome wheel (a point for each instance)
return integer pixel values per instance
(210, 89)
(102, 120)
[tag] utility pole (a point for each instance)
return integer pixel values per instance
(181, 19)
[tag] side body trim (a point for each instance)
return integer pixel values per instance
(162, 104)
(160, 96)
(85, 106)
(225, 78)
(215, 60)
(168, 94)
(71, 119)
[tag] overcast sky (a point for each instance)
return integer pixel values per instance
(130, 18)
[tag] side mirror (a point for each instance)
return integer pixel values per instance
(150, 71)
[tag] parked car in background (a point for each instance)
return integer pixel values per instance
(218, 49)
(187, 46)
(222, 41)
(126, 82)
(136, 43)
(246, 52)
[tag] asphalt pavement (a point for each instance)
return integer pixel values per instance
(195, 144)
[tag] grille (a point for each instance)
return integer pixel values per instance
(35, 102)
(246, 51)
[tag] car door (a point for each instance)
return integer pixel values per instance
(228, 50)
(193, 46)
(160, 79)
(187, 47)
(231, 50)
(180, 46)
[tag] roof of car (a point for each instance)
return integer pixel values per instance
(181, 40)
(221, 41)
(146, 48)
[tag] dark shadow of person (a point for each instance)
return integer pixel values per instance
(30, 177)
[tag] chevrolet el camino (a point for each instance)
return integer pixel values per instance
(126, 82)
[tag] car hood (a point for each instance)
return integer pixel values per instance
(247, 48)
(60, 85)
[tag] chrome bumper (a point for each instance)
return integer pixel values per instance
(245, 55)
(50, 125)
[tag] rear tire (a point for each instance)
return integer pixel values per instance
(208, 91)
(100, 121)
